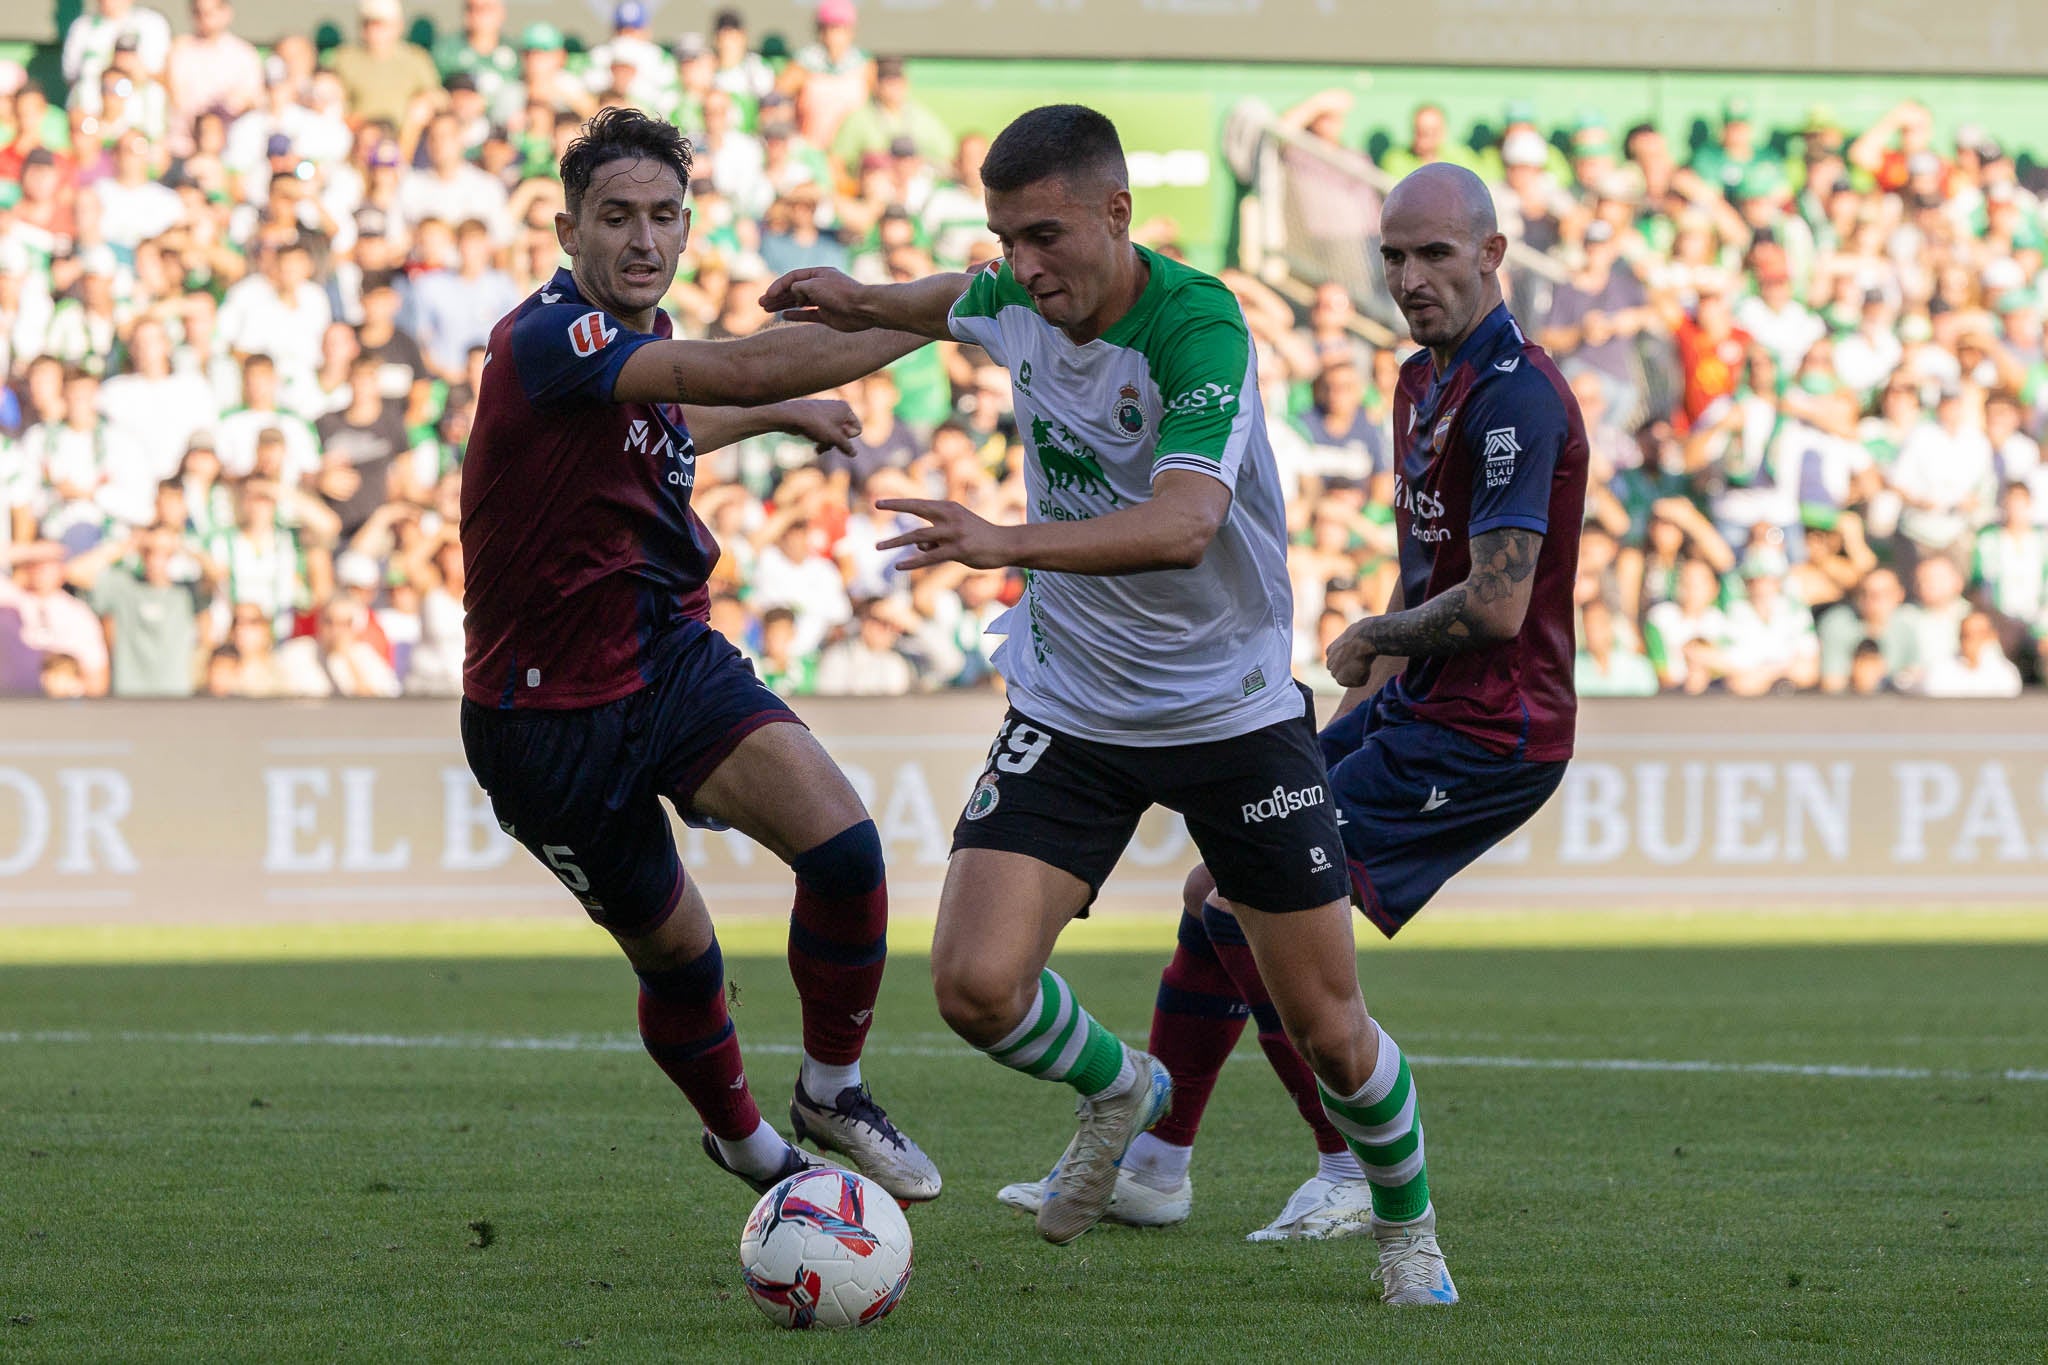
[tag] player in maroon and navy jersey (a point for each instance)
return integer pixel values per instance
(1455, 727)
(593, 687)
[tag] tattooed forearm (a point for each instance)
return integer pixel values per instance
(1488, 606)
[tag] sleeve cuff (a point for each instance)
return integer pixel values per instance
(1520, 521)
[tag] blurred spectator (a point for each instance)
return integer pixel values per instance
(1771, 645)
(1686, 638)
(153, 618)
(791, 572)
(453, 311)
(1878, 613)
(1608, 665)
(1976, 668)
(154, 406)
(891, 113)
(649, 82)
(383, 76)
(210, 68)
(38, 620)
(240, 429)
(449, 188)
(336, 660)
(736, 68)
(828, 78)
(360, 446)
(1345, 445)
(868, 662)
(479, 51)
(1429, 141)
(90, 41)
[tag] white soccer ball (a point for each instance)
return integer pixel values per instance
(825, 1248)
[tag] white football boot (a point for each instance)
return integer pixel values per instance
(1321, 1210)
(1412, 1269)
(1133, 1203)
(1077, 1191)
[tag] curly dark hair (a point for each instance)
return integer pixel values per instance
(1054, 140)
(621, 134)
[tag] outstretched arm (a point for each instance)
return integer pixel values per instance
(826, 422)
(774, 364)
(822, 294)
(1169, 530)
(1488, 607)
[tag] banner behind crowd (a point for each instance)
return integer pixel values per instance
(191, 812)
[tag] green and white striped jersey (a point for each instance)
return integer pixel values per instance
(1171, 657)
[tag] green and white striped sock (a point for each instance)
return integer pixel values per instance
(1382, 1124)
(1060, 1041)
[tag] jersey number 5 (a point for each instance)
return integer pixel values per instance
(562, 859)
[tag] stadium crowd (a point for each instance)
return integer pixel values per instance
(244, 298)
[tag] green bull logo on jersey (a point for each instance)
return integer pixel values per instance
(1069, 462)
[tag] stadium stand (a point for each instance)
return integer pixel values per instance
(243, 296)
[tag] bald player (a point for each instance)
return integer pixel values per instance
(1454, 729)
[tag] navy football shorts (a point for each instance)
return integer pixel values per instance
(1418, 802)
(581, 788)
(1257, 806)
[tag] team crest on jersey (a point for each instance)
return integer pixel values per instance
(588, 334)
(1436, 438)
(1129, 413)
(984, 798)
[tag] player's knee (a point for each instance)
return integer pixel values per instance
(1196, 890)
(1336, 1045)
(847, 864)
(978, 1004)
(681, 977)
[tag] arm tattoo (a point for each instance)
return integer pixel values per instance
(1455, 620)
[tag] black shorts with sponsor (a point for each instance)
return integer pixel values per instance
(1257, 806)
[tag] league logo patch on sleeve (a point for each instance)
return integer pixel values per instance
(1501, 449)
(588, 334)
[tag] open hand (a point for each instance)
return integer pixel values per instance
(818, 293)
(954, 534)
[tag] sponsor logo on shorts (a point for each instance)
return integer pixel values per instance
(984, 798)
(1281, 804)
(1318, 861)
(1436, 799)
(588, 334)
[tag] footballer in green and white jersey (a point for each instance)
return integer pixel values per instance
(1170, 657)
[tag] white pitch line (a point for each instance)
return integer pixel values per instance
(598, 1043)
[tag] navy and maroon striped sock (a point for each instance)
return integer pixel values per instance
(1288, 1063)
(1197, 1019)
(838, 943)
(685, 1027)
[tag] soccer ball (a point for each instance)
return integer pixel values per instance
(825, 1248)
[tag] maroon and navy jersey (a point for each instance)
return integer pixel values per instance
(584, 564)
(1496, 440)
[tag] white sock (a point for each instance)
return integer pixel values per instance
(1126, 1077)
(1340, 1165)
(1156, 1163)
(823, 1081)
(759, 1153)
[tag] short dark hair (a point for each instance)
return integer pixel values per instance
(621, 133)
(1053, 139)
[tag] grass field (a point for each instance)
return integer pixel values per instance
(1773, 1153)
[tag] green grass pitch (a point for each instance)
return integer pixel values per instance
(436, 1158)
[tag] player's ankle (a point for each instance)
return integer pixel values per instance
(760, 1153)
(1342, 1164)
(1157, 1164)
(824, 1080)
